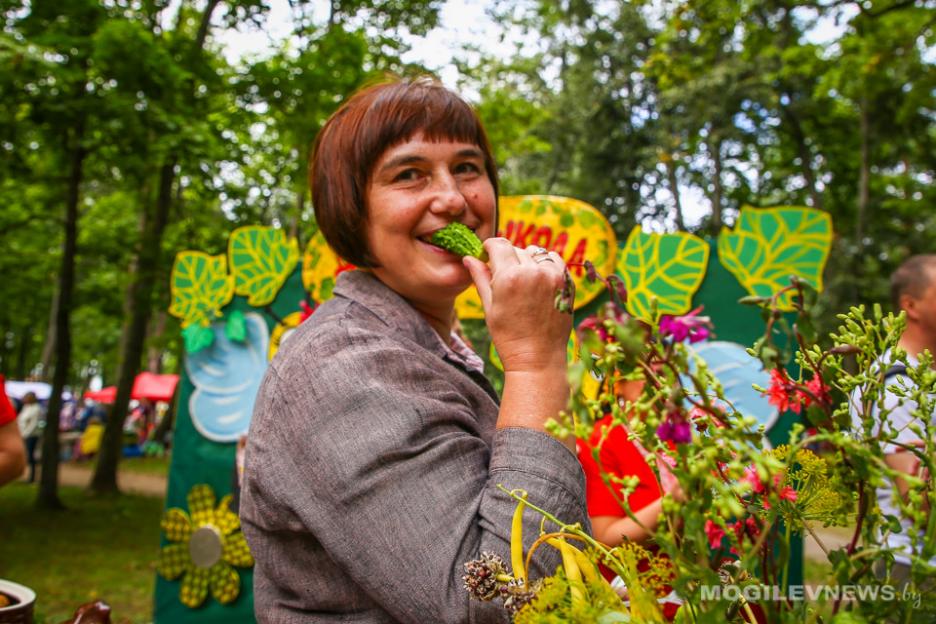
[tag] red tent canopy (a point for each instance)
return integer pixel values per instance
(145, 386)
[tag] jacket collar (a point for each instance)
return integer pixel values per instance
(390, 308)
(396, 313)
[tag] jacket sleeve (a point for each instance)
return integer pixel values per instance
(378, 456)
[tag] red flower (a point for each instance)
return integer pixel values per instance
(714, 533)
(818, 390)
(788, 493)
(306, 310)
(753, 529)
(782, 392)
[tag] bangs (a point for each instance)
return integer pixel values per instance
(407, 109)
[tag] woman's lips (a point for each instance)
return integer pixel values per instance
(438, 250)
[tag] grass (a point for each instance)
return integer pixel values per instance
(146, 465)
(158, 466)
(98, 548)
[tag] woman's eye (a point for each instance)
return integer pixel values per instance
(467, 167)
(406, 175)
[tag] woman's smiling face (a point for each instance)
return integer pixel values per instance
(415, 189)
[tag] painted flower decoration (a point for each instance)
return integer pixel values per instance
(203, 548)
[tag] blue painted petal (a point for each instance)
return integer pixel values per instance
(738, 371)
(226, 377)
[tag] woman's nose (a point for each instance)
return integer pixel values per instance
(448, 197)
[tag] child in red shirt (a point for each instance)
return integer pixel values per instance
(12, 451)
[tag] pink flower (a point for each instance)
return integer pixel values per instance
(714, 533)
(593, 324)
(751, 476)
(675, 428)
(679, 328)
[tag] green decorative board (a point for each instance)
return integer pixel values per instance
(237, 308)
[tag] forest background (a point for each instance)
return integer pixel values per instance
(127, 135)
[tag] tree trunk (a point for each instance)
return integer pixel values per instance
(864, 175)
(139, 299)
(48, 497)
(154, 356)
(139, 303)
(166, 424)
(674, 189)
(717, 192)
(25, 336)
(48, 349)
(300, 208)
(803, 152)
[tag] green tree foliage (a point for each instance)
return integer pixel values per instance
(646, 108)
(129, 113)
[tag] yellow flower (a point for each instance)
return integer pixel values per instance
(203, 548)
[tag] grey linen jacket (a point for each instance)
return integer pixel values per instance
(372, 468)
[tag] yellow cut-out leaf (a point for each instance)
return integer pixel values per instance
(573, 229)
(768, 245)
(666, 267)
(320, 268)
(261, 259)
(200, 287)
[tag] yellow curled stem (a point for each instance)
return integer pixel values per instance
(589, 571)
(544, 539)
(516, 538)
(572, 571)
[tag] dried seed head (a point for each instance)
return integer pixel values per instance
(481, 576)
(517, 594)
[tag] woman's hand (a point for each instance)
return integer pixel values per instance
(518, 290)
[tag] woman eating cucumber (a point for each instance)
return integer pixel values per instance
(377, 445)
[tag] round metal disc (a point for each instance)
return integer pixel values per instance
(205, 546)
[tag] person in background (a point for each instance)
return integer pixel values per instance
(913, 291)
(619, 456)
(30, 426)
(12, 450)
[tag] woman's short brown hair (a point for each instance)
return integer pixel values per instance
(373, 120)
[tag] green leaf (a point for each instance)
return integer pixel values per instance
(769, 245)
(197, 337)
(200, 287)
(667, 267)
(261, 259)
(236, 327)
